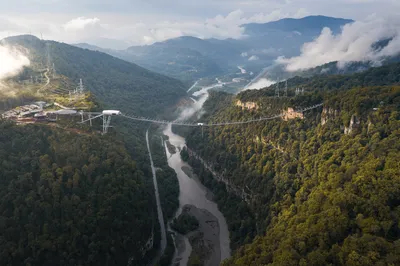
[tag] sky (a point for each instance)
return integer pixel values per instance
(121, 23)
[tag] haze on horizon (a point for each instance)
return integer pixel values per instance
(121, 23)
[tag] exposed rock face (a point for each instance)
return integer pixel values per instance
(354, 123)
(370, 126)
(328, 114)
(292, 114)
(247, 105)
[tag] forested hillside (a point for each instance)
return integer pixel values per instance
(110, 216)
(114, 82)
(323, 190)
(378, 76)
(70, 199)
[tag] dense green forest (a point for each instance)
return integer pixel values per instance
(323, 190)
(117, 84)
(168, 188)
(185, 223)
(70, 199)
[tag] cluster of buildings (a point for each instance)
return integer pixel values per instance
(25, 110)
(28, 113)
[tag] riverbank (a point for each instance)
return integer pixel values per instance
(171, 148)
(203, 236)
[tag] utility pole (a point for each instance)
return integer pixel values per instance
(277, 89)
(48, 55)
(286, 89)
(54, 71)
(81, 88)
(106, 123)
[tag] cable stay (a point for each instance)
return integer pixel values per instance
(107, 114)
(177, 123)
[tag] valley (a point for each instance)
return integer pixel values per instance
(193, 193)
(196, 151)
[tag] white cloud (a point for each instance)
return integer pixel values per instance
(134, 30)
(253, 58)
(355, 43)
(12, 61)
(242, 70)
(81, 23)
(301, 13)
(260, 84)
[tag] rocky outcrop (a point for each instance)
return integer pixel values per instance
(247, 105)
(354, 123)
(370, 126)
(291, 114)
(328, 114)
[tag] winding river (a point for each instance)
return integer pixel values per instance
(192, 192)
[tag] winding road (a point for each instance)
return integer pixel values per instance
(47, 82)
(163, 244)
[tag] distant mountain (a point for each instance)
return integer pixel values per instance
(91, 47)
(190, 58)
(175, 58)
(308, 25)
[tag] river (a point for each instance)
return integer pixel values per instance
(192, 192)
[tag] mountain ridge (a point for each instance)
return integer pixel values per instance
(309, 23)
(190, 58)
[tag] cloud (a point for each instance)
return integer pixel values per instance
(138, 22)
(196, 107)
(253, 58)
(242, 70)
(81, 23)
(12, 61)
(137, 29)
(261, 83)
(355, 43)
(301, 13)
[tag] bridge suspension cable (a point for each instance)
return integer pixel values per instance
(177, 123)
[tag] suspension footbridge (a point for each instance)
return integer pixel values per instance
(107, 114)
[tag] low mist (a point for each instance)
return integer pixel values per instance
(357, 42)
(11, 61)
(260, 84)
